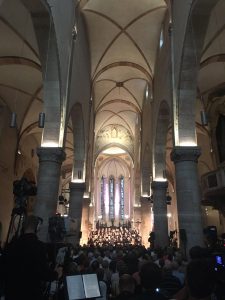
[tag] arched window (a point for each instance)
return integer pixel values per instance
(111, 198)
(103, 197)
(122, 198)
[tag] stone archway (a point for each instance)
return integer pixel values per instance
(46, 37)
(185, 132)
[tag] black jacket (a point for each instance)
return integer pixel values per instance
(25, 268)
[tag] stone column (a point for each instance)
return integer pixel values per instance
(75, 210)
(145, 220)
(188, 196)
(50, 161)
(160, 213)
(85, 220)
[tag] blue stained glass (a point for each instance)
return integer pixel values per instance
(111, 198)
(122, 198)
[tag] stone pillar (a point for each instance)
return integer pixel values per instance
(145, 220)
(160, 213)
(75, 210)
(85, 221)
(50, 161)
(188, 196)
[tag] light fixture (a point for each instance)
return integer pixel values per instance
(41, 120)
(49, 144)
(160, 179)
(204, 118)
(79, 174)
(74, 32)
(13, 120)
(146, 92)
(189, 143)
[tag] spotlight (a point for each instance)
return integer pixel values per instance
(204, 118)
(13, 120)
(41, 120)
(79, 173)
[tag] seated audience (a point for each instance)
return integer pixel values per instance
(126, 287)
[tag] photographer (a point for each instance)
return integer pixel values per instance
(25, 265)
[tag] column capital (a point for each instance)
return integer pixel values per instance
(79, 186)
(180, 154)
(53, 154)
(159, 185)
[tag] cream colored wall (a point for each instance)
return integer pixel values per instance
(8, 145)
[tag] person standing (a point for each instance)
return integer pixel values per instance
(25, 266)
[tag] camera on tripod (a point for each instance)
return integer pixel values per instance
(22, 189)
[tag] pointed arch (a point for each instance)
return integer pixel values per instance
(196, 28)
(46, 38)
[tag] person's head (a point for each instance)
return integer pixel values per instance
(100, 274)
(200, 278)
(127, 283)
(31, 224)
(70, 268)
(112, 266)
(95, 265)
(105, 264)
(150, 275)
(196, 252)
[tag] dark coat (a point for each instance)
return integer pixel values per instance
(25, 268)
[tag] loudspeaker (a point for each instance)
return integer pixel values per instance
(183, 235)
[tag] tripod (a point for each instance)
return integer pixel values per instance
(17, 217)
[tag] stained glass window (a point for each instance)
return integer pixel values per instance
(102, 197)
(122, 198)
(111, 198)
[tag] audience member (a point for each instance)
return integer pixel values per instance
(25, 265)
(151, 277)
(126, 287)
(200, 279)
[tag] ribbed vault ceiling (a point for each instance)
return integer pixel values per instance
(124, 38)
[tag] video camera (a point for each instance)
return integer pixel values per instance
(22, 189)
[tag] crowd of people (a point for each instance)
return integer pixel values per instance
(115, 236)
(124, 271)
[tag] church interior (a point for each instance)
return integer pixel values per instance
(116, 111)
